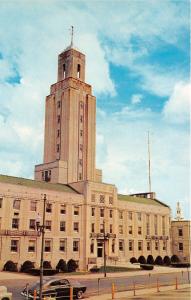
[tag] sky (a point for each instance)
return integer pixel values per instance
(137, 61)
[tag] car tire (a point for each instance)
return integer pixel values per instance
(5, 298)
(79, 295)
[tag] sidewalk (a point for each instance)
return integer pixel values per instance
(141, 292)
(157, 270)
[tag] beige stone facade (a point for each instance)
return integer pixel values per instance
(180, 236)
(81, 209)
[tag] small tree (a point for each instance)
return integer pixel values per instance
(26, 266)
(10, 266)
(61, 266)
(72, 265)
(159, 260)
(167, 260)
(175, 259)
(133, 260)
(150, 260)
(47, 265)
(142, 259)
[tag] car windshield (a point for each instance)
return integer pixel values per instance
(36, 285)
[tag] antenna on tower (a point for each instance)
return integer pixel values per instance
(149, 162)
(72, 36)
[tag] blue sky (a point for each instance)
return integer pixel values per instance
(137, 60)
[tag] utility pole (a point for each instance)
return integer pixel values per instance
(104, 248)
(149, 162)
(41, 229)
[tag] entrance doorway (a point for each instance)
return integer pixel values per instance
(100, 249)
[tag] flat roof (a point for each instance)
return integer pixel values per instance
(142, 200)
(37, 184)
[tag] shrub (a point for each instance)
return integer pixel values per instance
(146, 267)
(142, 259)
(26, 266)
(175, 259)
(72, 265)
(167, 260)
(150, 260)
(10, 266)
(133, 260)
(47, 265)
(61, 266)
(159, 260)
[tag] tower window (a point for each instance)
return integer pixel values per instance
(57, 147)
(78, 71)
(64, 71)
(58, 119)
(58, 133)
(58, 104)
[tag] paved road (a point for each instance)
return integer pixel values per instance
(95, 286)
(183, 294)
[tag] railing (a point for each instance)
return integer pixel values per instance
(19, 233)
(156, 237)
(101, 235)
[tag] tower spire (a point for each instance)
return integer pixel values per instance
(149, 161)
(72, 36)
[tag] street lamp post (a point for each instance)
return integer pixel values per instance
(105, 237)
(41, 229)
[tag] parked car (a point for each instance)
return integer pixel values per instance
(4, 295)
(56, 288)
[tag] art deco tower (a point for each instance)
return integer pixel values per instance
(70, 125)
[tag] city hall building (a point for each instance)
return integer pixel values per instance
(82, 212)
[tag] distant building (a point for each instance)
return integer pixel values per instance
(80, 208)
(180, 236)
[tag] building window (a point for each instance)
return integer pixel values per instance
(148, 246)
(93, 198)
(156, 245)
(31, 246)
(15, 223)
(75, 246)
(58, 133)
(139, 230)
(47, 175)
(76, 210)
(180, 246)
(33, 205)
(64, 71)
(121, 245)
(32, 224)
(58, 104)
(110, 228)
(102, 198)
(1, 202)
(78, 71)
(155, 224)
(81, 119)
(130, 230)
(164, 245)
(63, 209)
(102, 212)
(80, 162)
(81, 147)
(111, 213)
(63, 245)
(120, 214)
(48, 207)
(139, 216)
(93, 211)
(92, 227)
(47, 246)
(101, 228)
(81, 133)
(57, 147)
(48, 225)
(76, 226)
(130, 215)
(113, 246)
(58, 119)
(147, 225)
(16, 204)
(92, 246)
(110, 200)
(140, 245)
(120, 229)
(130, 245)
(80, 176)
(163, 225)
(62, 226)
(14, 245)
(180, 232)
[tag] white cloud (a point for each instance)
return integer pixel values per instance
(177, 108)
(136, 98)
